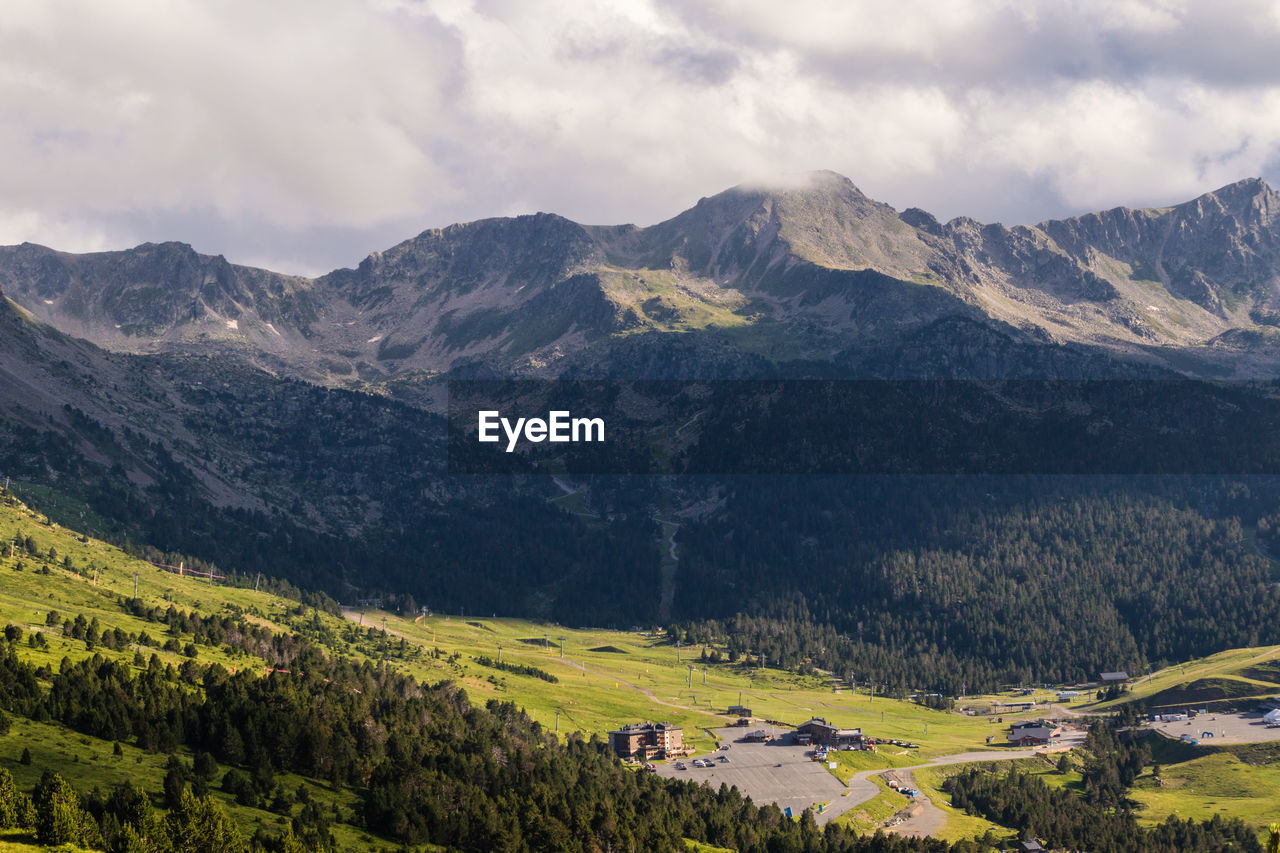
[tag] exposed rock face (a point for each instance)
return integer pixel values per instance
(806, 268)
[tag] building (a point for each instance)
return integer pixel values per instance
(819, 731)
(1037, 733)
(758, 736)
(738, 711)
(1120, 677)
(647, 740)
(1012, 707)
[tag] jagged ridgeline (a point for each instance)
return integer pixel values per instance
(291, 425)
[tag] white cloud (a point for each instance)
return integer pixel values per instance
(305, 133)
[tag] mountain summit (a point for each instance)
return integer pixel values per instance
(802, 267)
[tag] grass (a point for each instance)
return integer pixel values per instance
(699, 847)
(89, 763)
(1215, 784)
(635, 676)
(868, 816)
(1181, 683)
(959, 824)
(669, 302)
(23, 841)
(606, 678)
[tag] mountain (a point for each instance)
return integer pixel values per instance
(275, 423)
(806, 268)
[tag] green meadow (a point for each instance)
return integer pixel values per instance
(599, 679)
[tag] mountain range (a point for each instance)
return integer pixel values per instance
(196, 409)
(804, 269)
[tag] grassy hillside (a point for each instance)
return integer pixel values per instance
(1231, 678)
(1217, 783)
(71, 575)
(602, 679)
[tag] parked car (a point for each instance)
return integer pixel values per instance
(680, 766)
(724, 759)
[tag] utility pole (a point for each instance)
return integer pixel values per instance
(704, 676)
(182, 568)
(257, 579)
(500, 657)
(361, 618)
(135, 586)
(689, 678)
(557, 720)
(562, 648)
(546, 643)
(677, 651)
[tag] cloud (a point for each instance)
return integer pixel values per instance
(303, 134)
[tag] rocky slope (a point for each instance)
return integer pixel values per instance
(805, 269)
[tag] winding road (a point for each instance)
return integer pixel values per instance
(931, 819)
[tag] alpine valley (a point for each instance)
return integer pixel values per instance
(267, 423)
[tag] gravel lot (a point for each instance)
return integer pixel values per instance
(777, 772)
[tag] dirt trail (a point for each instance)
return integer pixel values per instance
(927, 818)
(668, 568)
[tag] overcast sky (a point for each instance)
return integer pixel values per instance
(303, 134)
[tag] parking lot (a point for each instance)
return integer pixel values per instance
(776, 772)
(1224, 729)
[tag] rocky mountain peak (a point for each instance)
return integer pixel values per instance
(802, 263)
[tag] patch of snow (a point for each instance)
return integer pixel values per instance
(374, 339)
(48, 302)
(233, 324)
(273, 330)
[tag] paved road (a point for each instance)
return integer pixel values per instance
(930, 819)
(780, 773)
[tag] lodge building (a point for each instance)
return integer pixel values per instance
(646, 741)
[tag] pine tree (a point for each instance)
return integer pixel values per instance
(199, 825)
(60, 819)
(15, 806)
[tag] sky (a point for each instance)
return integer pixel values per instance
(301, 135)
